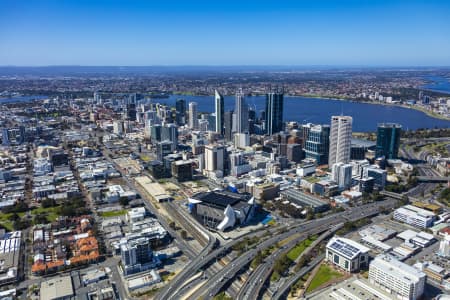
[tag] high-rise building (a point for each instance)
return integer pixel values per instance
(219, 109)
(136, 255)
(228, 125)
(342, 175)
(193, 116)
(340, 139)
(212, 122)
(294, 152)
(400, 279)
(388, 140)
(214, 157)
(169, 132)
(163, 149)
(118, 127)
(180, 107)
(274, 113)
(97, 98)
(5, 137)
(155, 133)
(317, 143)
(241, 113)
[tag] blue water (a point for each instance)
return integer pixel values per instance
(365, 116)
(21, 99)
(440, 84)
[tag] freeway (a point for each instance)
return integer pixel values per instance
(280, 294)
(254, 284)
(214, 284)
(423, 169)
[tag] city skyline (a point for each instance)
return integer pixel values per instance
(349, 33)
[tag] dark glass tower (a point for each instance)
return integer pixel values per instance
(180, 107)
(388, 140)
(228, 124)
(219, 110)
(274, 113)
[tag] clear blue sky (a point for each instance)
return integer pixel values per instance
(153, 32)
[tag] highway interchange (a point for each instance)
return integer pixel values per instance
(214, 284)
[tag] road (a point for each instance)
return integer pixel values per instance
(281, 292)
(214, 284)
(180, 242)
(255, 283)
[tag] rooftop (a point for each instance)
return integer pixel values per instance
(396, 268)
(221, 199)
(57, 288)
(347, 247)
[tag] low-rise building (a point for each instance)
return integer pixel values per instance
(305, 200)
(59, 288)
(414, 216)
(347, 254)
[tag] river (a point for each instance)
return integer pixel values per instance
(302, 109)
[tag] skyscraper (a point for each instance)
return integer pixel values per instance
(180, 107)
(241, 113)
(169, 132)
(219, 109)
(388, 140)
(193, 117)
(342, 174)
(317, 143)
(340, 139)
(274, 112)
(214, 157)
(228, 124)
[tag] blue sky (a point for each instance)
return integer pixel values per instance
(143, 33)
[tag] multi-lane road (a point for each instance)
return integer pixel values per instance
(214, 285)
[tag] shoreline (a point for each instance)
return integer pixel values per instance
(427, 112)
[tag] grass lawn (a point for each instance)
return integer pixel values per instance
(114, 213)
(50, 212)
(324, 275)
(300, 247)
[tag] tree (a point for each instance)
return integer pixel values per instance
(40, 219)
(124, 201)
(173, 225)
(48, 203)
(183, 234)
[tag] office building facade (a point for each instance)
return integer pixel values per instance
(347, 254)
(388, 140)
(214, 158)
(317, 143)
(340, 139)
(342, 175)
(219, 106)
(180, 108)
(399, 279)
(241, 111)
(414, 216)
(274, 113)
(193, 116)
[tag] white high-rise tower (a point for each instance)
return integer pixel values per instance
(340, 139)
(241, 113)
(193, 117)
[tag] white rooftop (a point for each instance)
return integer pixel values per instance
(396, 268)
